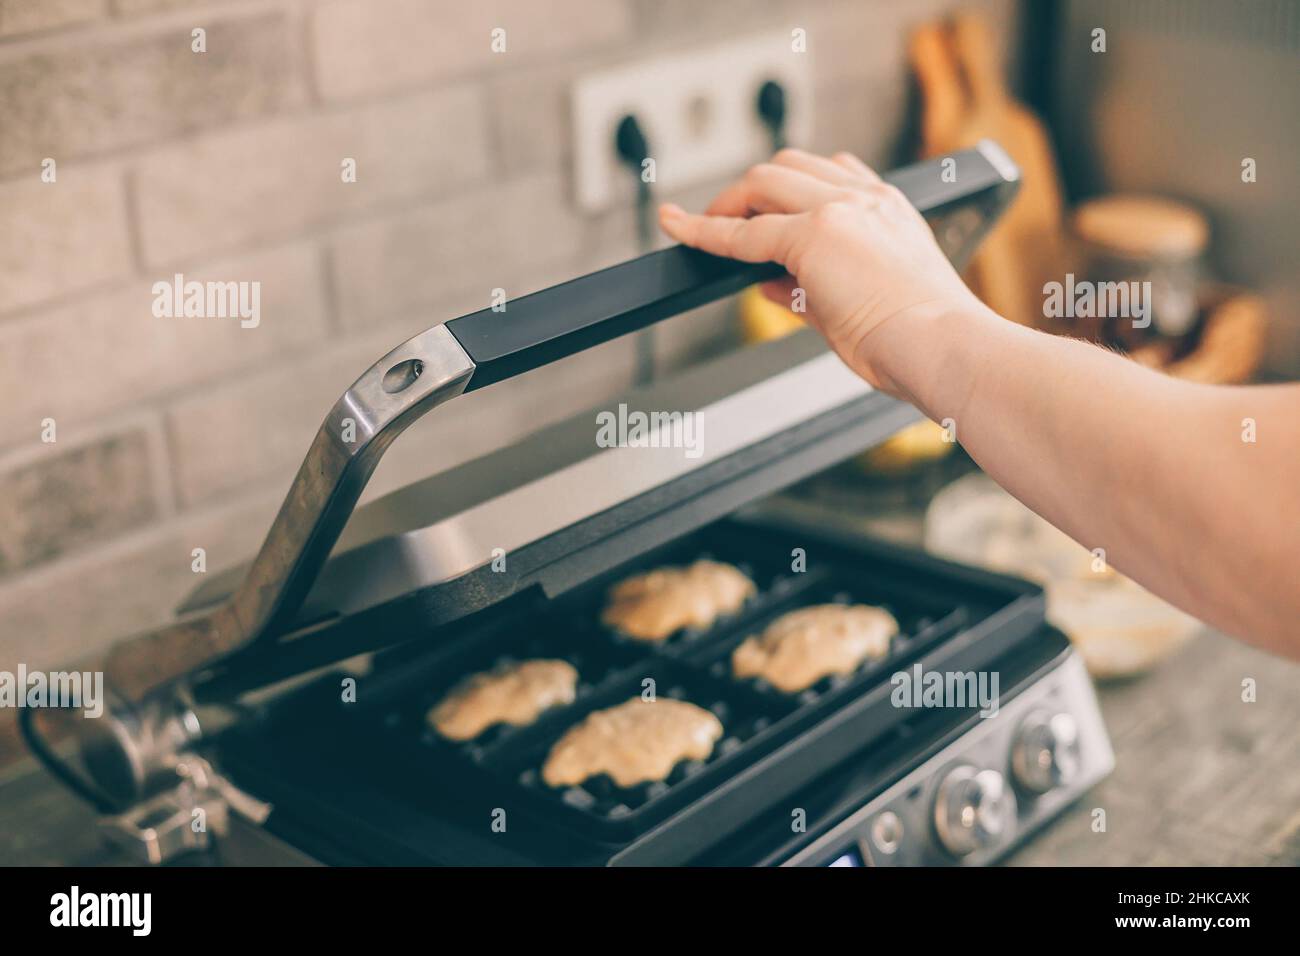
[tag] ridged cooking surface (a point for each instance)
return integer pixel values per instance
(692, 665)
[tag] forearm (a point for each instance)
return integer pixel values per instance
(1156, 472)
(1161, 475)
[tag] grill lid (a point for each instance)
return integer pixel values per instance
(556, 506)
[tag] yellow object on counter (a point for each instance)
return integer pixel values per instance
(915, 444)
(761, 319)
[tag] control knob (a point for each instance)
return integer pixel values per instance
(973, 809)
(1045, 753)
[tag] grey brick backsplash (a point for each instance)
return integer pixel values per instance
(108, 352)
(74, 100)
(532, 128)
(19, 17)
(131, 8)
(66, 611)
(869, 121)
(59, 237)
(275, 179)
(859, 41)
(60, 497)
(453, 251)
(363, 47)
(225, 440)
(693, 21)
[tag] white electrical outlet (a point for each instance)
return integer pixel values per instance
(698, 111)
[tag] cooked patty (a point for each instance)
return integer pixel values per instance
(801, 647)
(653, 605)
(636, 742)
(513, 694)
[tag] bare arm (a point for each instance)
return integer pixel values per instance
(1163, 475)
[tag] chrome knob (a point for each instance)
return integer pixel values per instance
(973, 809)
(1045, 753)
(887, 832)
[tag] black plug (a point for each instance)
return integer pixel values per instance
(771, 110)
(630, 141)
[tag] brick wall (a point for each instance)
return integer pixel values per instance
(173, 434)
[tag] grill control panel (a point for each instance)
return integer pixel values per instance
(983, 794)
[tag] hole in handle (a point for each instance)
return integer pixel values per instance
(402, 375)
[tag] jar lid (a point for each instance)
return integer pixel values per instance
(1142, 226)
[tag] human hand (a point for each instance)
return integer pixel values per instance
(863, 255)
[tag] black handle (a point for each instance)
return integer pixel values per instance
(537, 329)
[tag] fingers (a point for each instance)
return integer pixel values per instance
(777, 195)
(853, 164)
(818, 166)
(794, 181)
(764, 238)
(769, 188)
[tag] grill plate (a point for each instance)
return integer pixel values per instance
(951, 617)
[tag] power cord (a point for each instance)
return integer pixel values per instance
(58, 768)
(633, 148)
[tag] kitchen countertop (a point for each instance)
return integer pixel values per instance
(1201, 777)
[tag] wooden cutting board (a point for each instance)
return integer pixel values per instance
(965, 99)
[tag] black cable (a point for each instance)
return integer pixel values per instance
(57, 768)
(633, 149)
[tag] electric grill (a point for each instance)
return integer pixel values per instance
(509, 556)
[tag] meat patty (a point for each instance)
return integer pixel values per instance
(515, 693)
(636, 742)
(653, 605)
(801, 647)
